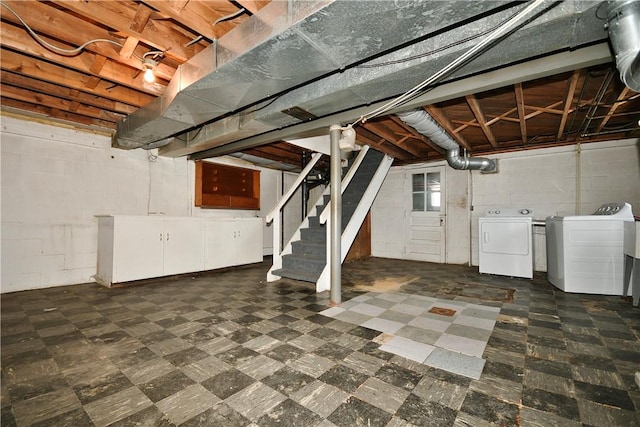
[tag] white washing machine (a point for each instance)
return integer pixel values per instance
(585, 252)
(506, 242)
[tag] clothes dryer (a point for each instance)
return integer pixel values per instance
(585, 252)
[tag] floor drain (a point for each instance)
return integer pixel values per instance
(442, 311)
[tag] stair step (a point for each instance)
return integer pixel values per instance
(301, 262)
(297, 275)
(313, 234)
(316, 249)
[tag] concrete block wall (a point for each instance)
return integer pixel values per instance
(562, 181)
(55, 180)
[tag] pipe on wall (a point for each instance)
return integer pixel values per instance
(623, 23)
(421, 121)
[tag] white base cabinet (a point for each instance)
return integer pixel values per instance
(142, 247)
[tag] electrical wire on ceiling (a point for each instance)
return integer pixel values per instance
(57, 49)
(501, 31)
(217, 21)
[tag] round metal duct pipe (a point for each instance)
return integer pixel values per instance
(421, 121)
(623, 18)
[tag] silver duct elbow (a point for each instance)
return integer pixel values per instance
(422, 122)
(623, 18)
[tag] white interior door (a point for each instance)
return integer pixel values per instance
(425, 236)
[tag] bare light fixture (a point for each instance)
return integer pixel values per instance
(149, 67)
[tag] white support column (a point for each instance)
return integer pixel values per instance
(336, 216)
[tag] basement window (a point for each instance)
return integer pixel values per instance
(426, 192)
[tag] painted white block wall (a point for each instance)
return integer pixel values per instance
(552, 181)
(54, 180)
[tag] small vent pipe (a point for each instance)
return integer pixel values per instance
(623, 18)
(421, 121)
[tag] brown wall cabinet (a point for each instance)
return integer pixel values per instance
(226, 187)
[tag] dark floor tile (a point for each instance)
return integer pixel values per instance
(284, 319)
(248, 320)
(490, 409)
(398, 376)
(37, 386)
(548, 367)
(285, 353)
(220, 415)
(101, 387)
(592, 362)
(362, 332)
(237, 355)
(373, 349)
(625, 355)
(171, 321)
(18, 338)
(284, 334)
(422, 413)
(7, 418)
(75, 418)
(546, 342)
(356, 413)
(324, 333)
(243, 335)
(503, 370)
(186, 356)
(508, 345)
(450, 377)
(333, 352)
(319, 319)
(604, 395)
(165, 385)
(228, 383)
(289, 413)
(558, 404)
(126, 360)
(621, 335)
(287, 380)
(149, 417)
(343, 378)
(583, 338)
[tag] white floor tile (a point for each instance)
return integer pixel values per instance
(368, 309)
(461, 345)
(383, 325)
(408, 348)
(457, 363)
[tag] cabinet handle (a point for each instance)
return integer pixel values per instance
(167, 237)
(161, 237)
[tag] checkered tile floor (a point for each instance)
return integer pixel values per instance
(445, 334)
(227, 349)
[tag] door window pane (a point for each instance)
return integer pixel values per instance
(433, 191)
(426, 192)
(418, 191)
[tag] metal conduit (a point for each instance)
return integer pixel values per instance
(421, 121)
(623, 20)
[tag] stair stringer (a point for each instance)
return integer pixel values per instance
(351, 230)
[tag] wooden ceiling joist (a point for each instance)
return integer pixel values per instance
(522, 121)
(619, 101)
(479, 115)
(160, 37)
(568, 101)
(51, 73)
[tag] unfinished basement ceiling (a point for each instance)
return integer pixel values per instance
(104, 83)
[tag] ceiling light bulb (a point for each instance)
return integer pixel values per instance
(149, 67)
(149, 77)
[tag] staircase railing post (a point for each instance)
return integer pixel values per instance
(336, 216)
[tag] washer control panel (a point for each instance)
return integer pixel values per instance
(609, 209)
(509, 212)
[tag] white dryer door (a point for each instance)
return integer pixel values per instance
(505, 237)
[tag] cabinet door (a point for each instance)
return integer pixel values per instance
(219, 244)
(183, 245)
(248, 239)
(137, 248)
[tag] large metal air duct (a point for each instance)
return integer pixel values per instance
(623, 19)
(421, 121)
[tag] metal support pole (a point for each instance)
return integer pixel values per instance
(336, 216)
(305, 186)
